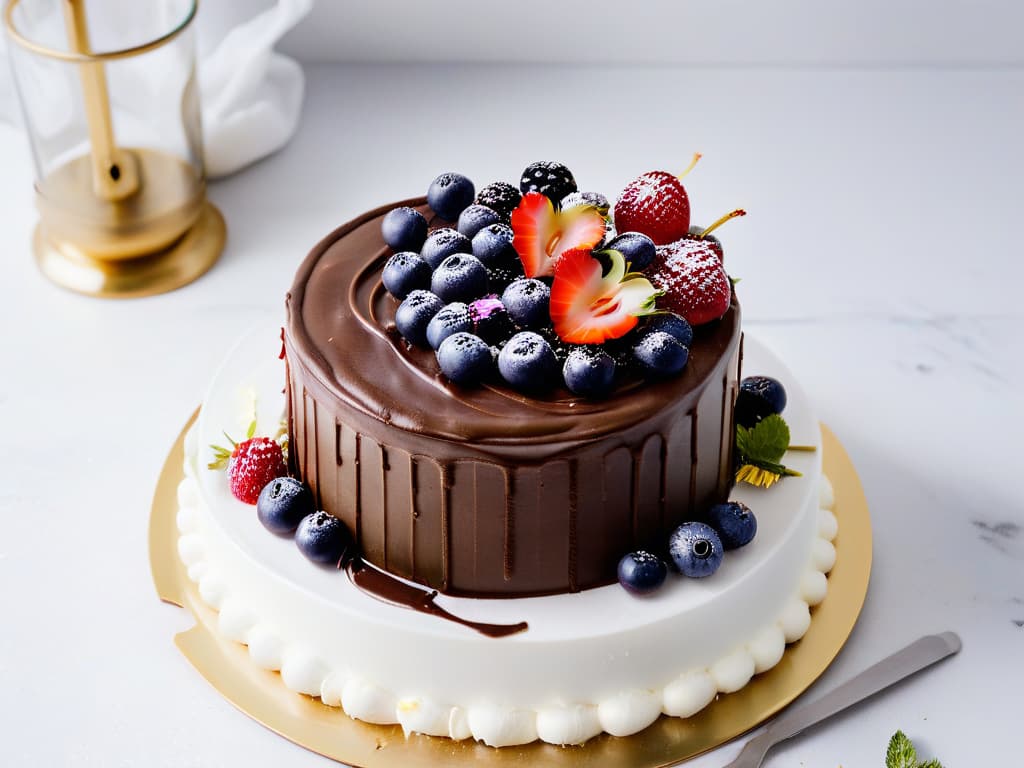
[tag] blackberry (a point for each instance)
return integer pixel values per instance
(551, 179)
(491, 321)
(500, 197)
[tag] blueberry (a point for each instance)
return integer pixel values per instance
(527, 362)
(759, 396)
(465, 359)
(453, 318)
(674, 325)
(283, 503)
(442, 243)
(414, 314)
(641, 572)
(404, 229)
(589, 371)
(501, 197)
(493, 245)
(460, 277)
(637, 249)
(735, 523)
(475, 218)
(696, 549)
(323, 538)
(660, 354)
(450, 194)
(491, 321)
(528, 301)
(405, 272)
(593, 199)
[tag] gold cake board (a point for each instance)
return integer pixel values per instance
(329, 732)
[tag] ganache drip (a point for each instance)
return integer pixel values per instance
(388, 589)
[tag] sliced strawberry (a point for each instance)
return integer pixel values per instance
(588, 308)
(542, 234)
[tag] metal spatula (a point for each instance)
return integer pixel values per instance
(902, 664)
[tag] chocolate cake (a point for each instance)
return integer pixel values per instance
(519, 394)
(487, 491)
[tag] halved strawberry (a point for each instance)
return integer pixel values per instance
(543, 234)
(588, 308)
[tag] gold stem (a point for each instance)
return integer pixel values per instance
(696, 157)
(114, 173)
(721, 221)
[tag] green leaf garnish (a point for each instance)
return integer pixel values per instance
(765, 441)
(760, 449)
(901, 754)
(221, 457)
(251, 430)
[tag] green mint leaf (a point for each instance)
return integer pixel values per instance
(901, 752)
(930, 764)
(766, 441)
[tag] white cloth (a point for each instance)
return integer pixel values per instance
(250, 95)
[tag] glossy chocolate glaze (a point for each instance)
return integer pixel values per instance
(486, 491)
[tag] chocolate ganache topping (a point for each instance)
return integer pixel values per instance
(487, 491)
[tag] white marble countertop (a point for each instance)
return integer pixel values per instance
(881, 260)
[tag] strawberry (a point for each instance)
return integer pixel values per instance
(251, 464)
(656, 205)
(588, 308)
(694, 282)
(542, 234)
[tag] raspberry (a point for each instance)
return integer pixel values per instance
(252, 465)
(693, 279)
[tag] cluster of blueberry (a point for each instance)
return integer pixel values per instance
(695, 549)
(286, 506)
(532, 284)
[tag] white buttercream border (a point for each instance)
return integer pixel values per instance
(621, 714)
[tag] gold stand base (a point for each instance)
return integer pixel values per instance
(181, 263)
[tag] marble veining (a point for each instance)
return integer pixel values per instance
(1003, 536)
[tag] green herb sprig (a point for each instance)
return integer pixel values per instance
(761, 448)
(901, 754)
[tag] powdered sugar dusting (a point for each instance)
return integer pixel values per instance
(655, 204)
(695, 283)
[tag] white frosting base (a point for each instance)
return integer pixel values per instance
(599, 660)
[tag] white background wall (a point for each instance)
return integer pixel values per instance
(701, 32)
